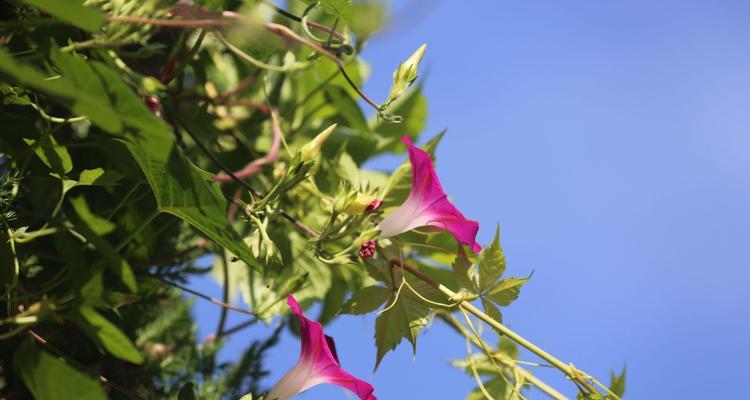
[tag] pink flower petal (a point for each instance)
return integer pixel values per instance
(428, 205)
(318, 363)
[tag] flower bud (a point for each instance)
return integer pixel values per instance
(361, 203)
(309, 151)
(367, 250)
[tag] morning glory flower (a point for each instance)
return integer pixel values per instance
(428, 205)
(318, 363)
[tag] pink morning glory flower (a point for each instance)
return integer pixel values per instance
(428, 205)
(318, 363)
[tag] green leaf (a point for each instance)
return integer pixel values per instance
(495, 386)
(347, 108)
(338, 8)
(333, 302)
(366, 300)
(64, 91)
(404, 76)
(48, 378)
(106, 334)
(463, 272)
(187, 392)
(71, 11)
(412, 108)
(117, 264)
(99, 225)
(115, 300)
(491, 263)
(492, 310)
(54, 156)
(617, 382)
(404, 319)
(97, 177)
(506, 290)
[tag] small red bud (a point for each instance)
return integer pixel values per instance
(374, 205)
(153, 104)
(367, 250)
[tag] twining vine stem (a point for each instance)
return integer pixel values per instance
(528, 376)
(568, 370)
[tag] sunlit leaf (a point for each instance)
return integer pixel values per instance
(106, 334)
(71, 11)
(506, 291)
(617, 382)
(491, 263)
(463, 272)
(63, 90)
(403, 319)
(366, 300)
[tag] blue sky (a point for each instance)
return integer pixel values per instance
(611, 141)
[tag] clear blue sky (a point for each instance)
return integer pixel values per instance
(611, 141)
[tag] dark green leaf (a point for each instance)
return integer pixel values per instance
(347, 108)
(117, 264)
(187, 392)
(48, 378)
(106, 334)
(181, 188)
(64, 91)
(54, 156)
(71, 11)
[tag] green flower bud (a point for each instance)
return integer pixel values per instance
(360, 204)
(309, 151)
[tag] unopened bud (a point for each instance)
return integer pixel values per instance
(374, 205)
(361, 203)
(309, 151)
(367, 250)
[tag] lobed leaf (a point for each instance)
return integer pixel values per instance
(366, 300)
(491, 263)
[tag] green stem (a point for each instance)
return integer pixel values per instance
(27, 237)
(225, 294)
(528, 376)
(571, 372)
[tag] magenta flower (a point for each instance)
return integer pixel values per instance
(428, 205)
(318, 363)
